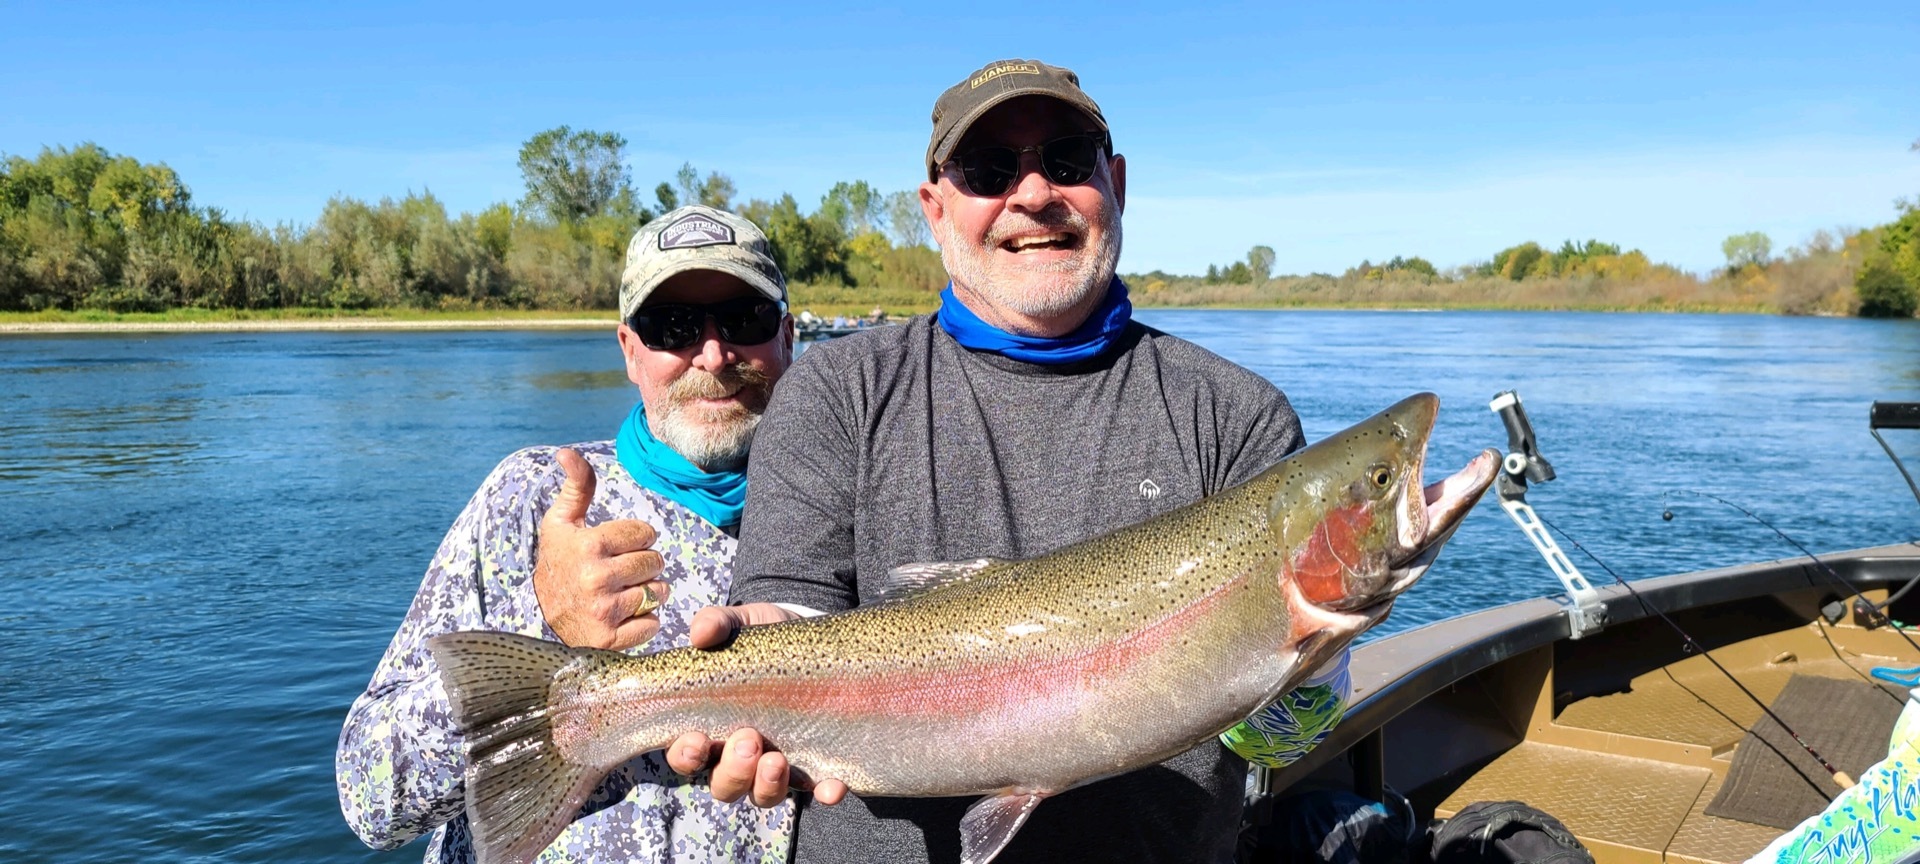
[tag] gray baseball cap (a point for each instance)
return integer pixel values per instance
(697, 238)
(963, 103)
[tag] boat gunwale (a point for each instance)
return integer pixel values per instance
(1393, 674)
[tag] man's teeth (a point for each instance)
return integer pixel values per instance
(1019, 244)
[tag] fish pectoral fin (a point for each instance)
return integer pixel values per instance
(909, 580)
(991, 822)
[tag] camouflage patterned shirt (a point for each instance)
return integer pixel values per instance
(400, 765)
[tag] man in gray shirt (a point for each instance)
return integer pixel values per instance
(1028, 413)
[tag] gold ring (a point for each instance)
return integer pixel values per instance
(648, 602)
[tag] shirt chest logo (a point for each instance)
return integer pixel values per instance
(1149, 490)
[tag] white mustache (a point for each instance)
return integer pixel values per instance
(700, 384)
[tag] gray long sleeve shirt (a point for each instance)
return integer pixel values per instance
(898, 445)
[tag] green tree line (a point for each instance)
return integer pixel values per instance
(83, 228)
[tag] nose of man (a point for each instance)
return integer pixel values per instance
(714, 353)
(1032, 191)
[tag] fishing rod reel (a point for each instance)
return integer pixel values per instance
(1586, 614)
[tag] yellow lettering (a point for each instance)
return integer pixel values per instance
(997, 71)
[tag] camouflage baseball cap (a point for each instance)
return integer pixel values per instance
(963, 103)
(697, 238)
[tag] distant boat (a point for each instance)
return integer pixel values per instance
(809, 331)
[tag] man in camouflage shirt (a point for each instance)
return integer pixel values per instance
(622, 562)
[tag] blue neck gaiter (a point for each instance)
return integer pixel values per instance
(1090, 339)
(717, 496)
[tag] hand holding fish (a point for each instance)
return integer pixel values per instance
(598, 585)
(744, 765)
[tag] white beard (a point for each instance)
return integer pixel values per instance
(714, 439)
(1038, 292)
(719, 444)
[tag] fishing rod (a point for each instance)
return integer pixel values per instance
(1841, 777)
(1587, 615)
(1894, 415)
(1867, 608)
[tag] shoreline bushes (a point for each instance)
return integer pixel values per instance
(83, 228)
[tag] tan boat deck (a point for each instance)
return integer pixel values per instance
(1632, 772)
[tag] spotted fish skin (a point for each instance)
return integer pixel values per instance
(1103, 657)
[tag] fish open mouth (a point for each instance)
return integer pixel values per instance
(1404, 528)
(1424, 529)
(1444, 505)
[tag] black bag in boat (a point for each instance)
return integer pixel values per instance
(1504, 832)
(1337, 827)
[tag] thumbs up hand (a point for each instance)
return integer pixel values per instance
(598, 586)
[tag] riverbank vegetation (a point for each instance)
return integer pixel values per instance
(86, 233)
(1873, 272)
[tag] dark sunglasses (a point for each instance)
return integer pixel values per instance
(1066, 161)
(673, 326)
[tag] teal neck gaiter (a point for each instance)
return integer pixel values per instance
(717, 496)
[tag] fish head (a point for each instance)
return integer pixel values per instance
(1355, 523)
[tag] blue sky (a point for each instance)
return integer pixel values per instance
(1332, 133)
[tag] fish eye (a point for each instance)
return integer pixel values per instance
(1380, 476)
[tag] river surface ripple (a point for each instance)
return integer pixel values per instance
(209, 539)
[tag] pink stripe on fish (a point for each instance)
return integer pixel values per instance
(1029, 689)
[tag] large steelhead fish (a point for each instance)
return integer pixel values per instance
(1123, 650)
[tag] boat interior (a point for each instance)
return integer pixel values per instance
(1626, 734)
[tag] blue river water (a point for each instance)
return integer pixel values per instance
(208, 539)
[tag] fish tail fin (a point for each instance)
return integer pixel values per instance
(522, 790)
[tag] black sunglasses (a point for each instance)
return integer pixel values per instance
(673, 326)
(1066, 161)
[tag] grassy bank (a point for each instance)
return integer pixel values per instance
(221, 316)
(1779, 287)
(415, 319)
(189, 320)
(1584, 293)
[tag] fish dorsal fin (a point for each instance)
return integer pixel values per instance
(991, 823)
(912, 580)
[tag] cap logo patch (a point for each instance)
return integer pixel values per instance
(992, 72)
(693, 231)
